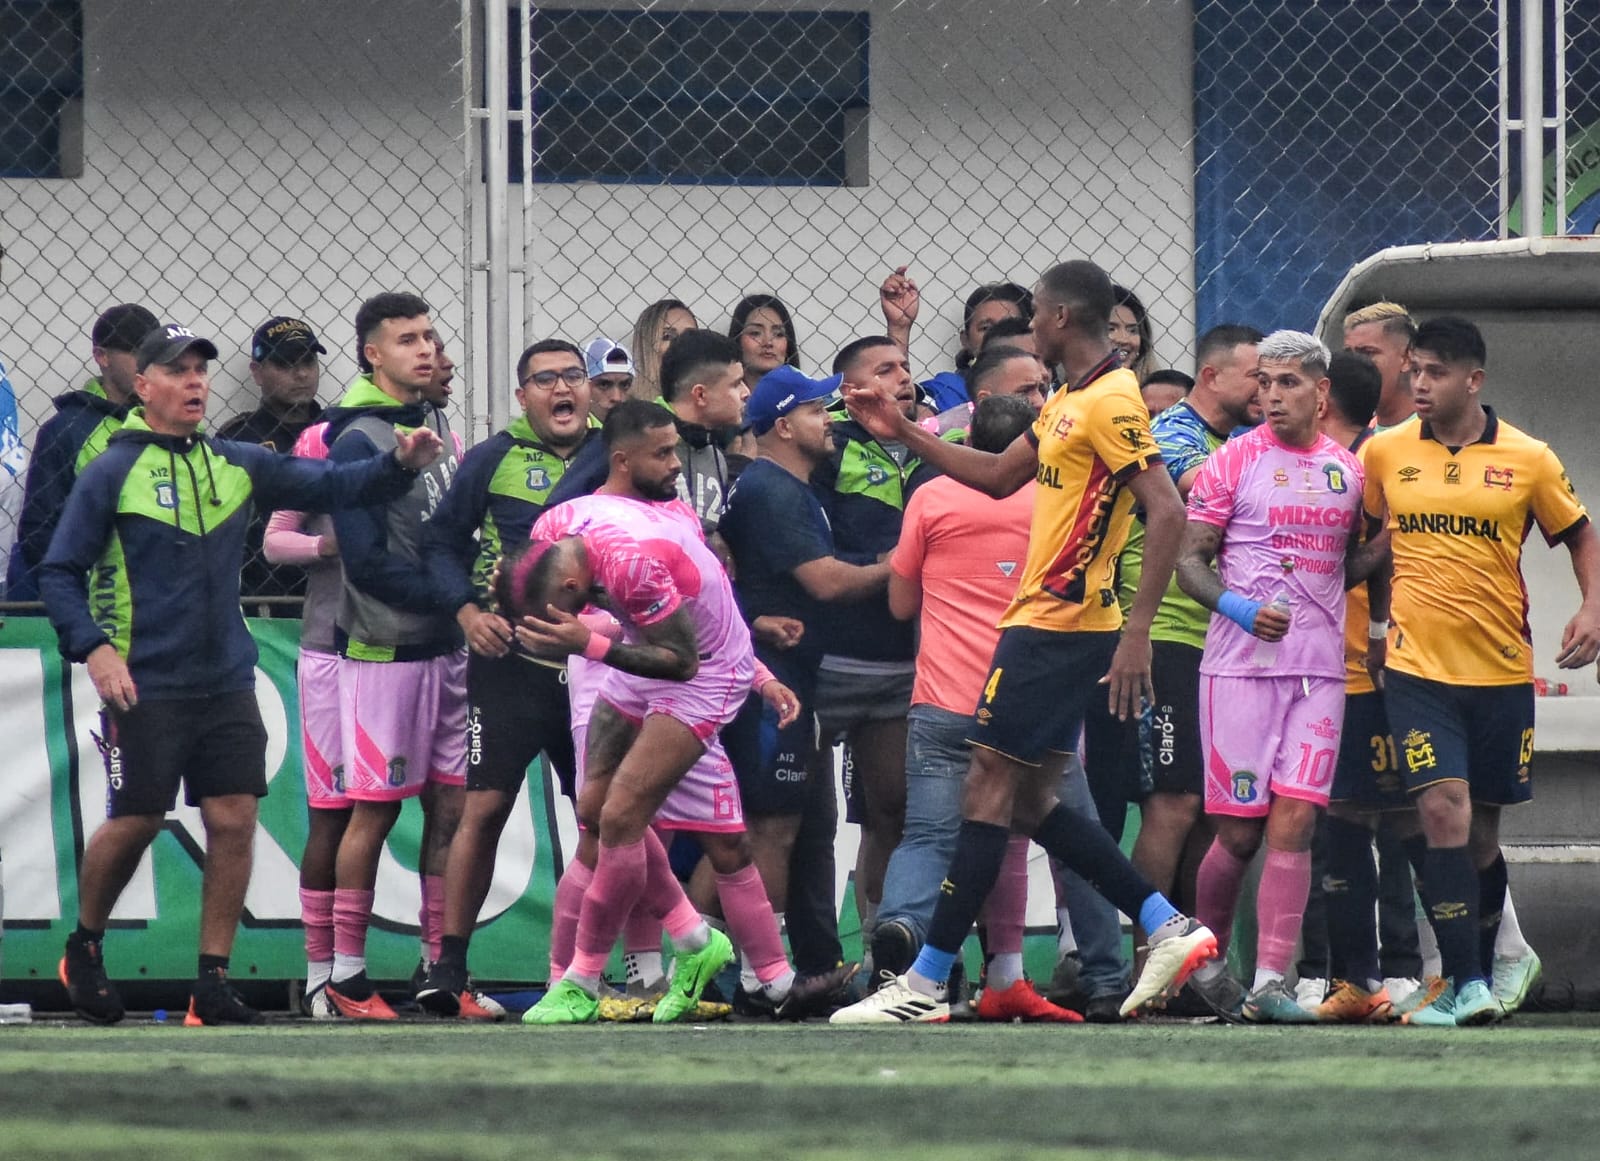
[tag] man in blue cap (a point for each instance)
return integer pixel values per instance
(786, 567)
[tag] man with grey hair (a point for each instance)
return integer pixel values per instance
(1277, 510)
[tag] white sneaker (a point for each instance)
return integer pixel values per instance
(1171, 961)
(1515, 978)
(318, 1005)
(1310, 992)
(1400, 987)
(894, 1003)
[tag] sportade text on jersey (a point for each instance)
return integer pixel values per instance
(1287, 514)
(148, 551)
(1092, 437)
(1459, 518)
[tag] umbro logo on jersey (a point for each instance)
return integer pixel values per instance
(1006, 567)
(1409, 474)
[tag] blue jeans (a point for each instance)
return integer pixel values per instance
(937, 756)
(1095, 923)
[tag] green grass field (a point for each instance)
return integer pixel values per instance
(1158, 1090)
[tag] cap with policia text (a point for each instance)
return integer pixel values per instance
(284, 340)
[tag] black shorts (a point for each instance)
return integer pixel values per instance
(1370, 774)
(1478, 734)
(213, 745)
(772, 766)
(1039, 686)
(516, 710)
(1177, 766)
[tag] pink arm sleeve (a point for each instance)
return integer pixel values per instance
(284, 543)
(763, 675)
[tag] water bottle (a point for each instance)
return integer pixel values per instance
(1267, 651)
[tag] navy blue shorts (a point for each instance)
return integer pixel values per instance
(1178, 766)
(517, 710)
(212, 745)
(1371, 773)
(1478, 734)
(1039, 686)
(772, 765)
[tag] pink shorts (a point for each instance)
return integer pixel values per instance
(322, 753)
(704, 705)
(1269, 736)
(707, 799)
(404, 725)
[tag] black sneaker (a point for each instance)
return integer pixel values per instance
(894, 950)
(214, 1002)
(756, 1005)
(83, 972)
(819, 995)
(1105, 1009)
(441, 988)
(419, 977)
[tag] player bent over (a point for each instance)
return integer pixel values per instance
(1278, 509)
(681, 672)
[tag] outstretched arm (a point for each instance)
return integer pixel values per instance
(996, 474)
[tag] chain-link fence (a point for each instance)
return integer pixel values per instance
(222, 164)
(1225, 160)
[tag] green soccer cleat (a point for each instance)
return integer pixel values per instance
(691, 972)
(564, 1003)
(1475, 1004)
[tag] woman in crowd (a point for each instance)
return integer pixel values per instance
(1130, 333)
(659, 323)
(764, 331)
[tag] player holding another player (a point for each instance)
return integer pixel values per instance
(1459, 492)
(681, 672)
(1278, 510)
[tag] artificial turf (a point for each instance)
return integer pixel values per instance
(1157, 1090)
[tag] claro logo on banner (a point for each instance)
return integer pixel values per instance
(53, 795)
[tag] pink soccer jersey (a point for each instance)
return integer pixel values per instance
(1286, 515)
(650, 562)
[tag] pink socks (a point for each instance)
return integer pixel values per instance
(1280, 907)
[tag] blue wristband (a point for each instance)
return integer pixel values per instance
(1239, 609)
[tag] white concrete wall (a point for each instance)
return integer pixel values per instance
(1541, 377)
(241, 160)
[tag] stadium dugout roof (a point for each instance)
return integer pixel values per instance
(1517, 274)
